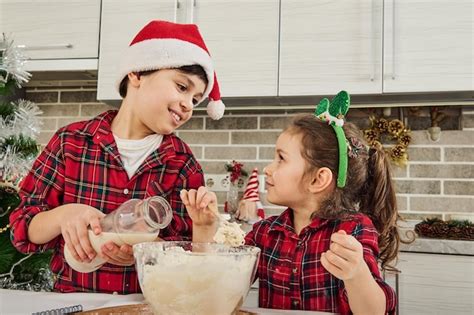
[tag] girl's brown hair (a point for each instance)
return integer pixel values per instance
(369, 188)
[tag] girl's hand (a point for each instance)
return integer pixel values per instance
(201, 205)
(344, 259)
(74, 230)
(118, 255)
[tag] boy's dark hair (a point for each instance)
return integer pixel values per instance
(369, 188)
(193, 70)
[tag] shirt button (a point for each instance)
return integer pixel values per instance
(295, 303)
(295, 270)
(125, 191)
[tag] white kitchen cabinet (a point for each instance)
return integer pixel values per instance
(375, 46)
(326, 46)
(242, 37)
(428, 45)
(53, 31)
(435, 284)
(121, 21)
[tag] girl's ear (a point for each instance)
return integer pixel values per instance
(134, 79)
(320, 180)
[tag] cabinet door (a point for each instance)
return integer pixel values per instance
(436, 284)
(327, 46)
(121, 21)
(53, 29)
(428, 45)
(242, 37)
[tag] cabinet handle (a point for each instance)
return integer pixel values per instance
(393, 39)
(190, 11)
(45, 47)
(176, 8)
(372, 42)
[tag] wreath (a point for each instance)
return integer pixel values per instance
(381, 130)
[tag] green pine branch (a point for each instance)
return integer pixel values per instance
(7, 110)
(8, 87)
(25, 146)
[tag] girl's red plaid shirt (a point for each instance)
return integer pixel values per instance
(290, 272)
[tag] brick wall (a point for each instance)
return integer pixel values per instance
(438, 180)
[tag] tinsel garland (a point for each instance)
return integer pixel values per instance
(12, 62)
(452, 229)
(19, 127)
(394, 130)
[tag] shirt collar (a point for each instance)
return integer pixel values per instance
(99, 128)
(284, 222)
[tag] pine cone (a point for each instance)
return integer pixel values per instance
(395, 127)
(371, 136)
(423, 229)
(381, 125)
(439, 230)
(405, 139)
(397, 152)
(462, 233)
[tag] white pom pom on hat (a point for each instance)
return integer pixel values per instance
(166, 45)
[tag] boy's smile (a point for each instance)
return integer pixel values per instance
(176, 116)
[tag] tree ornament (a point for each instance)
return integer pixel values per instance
(250, 208)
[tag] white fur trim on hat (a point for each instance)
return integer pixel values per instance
(154, 54)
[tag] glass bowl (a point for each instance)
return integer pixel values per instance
(195, 278)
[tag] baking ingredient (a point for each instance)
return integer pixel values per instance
(199, 283)
(98, 240)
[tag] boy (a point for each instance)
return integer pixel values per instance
(89, 168)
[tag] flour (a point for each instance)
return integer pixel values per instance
(197, 283)
(229, 233)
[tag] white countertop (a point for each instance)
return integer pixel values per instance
(14, 302)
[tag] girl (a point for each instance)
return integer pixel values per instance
(322, 252)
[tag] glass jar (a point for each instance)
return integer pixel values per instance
(232, 199)
(135, 221)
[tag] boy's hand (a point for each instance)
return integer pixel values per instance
(201, 205)
(117, 255)
(344, 259)
(74, 230)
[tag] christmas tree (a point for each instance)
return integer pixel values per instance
(19, 126)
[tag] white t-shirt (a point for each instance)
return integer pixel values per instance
(134, 152)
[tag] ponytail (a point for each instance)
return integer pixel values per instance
(381, 205)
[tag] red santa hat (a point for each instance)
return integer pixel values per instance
(251, 192)
(166, 45)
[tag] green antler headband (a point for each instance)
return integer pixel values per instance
(333, 113)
